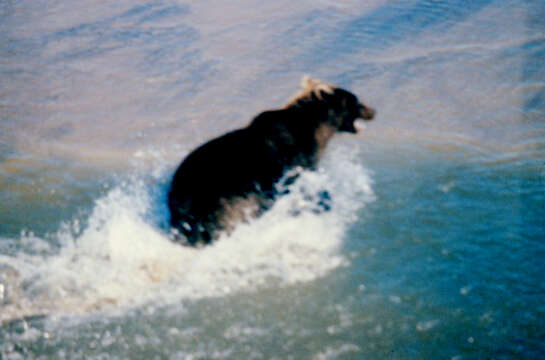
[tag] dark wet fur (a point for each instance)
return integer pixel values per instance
(249, 163)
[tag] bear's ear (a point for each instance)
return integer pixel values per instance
(315, 86)
(307, 82)
(312, 89)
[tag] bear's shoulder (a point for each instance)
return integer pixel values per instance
(270, 119)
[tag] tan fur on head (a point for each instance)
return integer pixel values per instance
(310, 86)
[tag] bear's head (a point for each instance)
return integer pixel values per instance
(343, 107)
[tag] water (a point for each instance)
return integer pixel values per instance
(434, 248)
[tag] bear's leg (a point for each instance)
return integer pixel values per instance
(194, 231)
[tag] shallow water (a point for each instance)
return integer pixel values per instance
(434, 248)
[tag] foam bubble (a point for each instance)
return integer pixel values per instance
(123, 258)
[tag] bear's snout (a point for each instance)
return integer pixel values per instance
(366, 113)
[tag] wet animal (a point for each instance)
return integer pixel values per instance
(236, 176)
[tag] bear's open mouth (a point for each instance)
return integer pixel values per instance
(360, 125)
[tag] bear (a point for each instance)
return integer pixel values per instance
(237, 176)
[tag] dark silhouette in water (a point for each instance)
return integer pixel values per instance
(235, 176)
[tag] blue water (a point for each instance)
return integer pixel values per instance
(434, 248)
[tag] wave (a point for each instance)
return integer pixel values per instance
(123, 256)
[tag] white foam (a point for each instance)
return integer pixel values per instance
(122, 259)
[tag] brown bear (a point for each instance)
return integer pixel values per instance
(236, 176)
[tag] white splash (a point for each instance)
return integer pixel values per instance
(122, 259)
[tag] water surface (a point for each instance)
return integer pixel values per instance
(434, 248)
